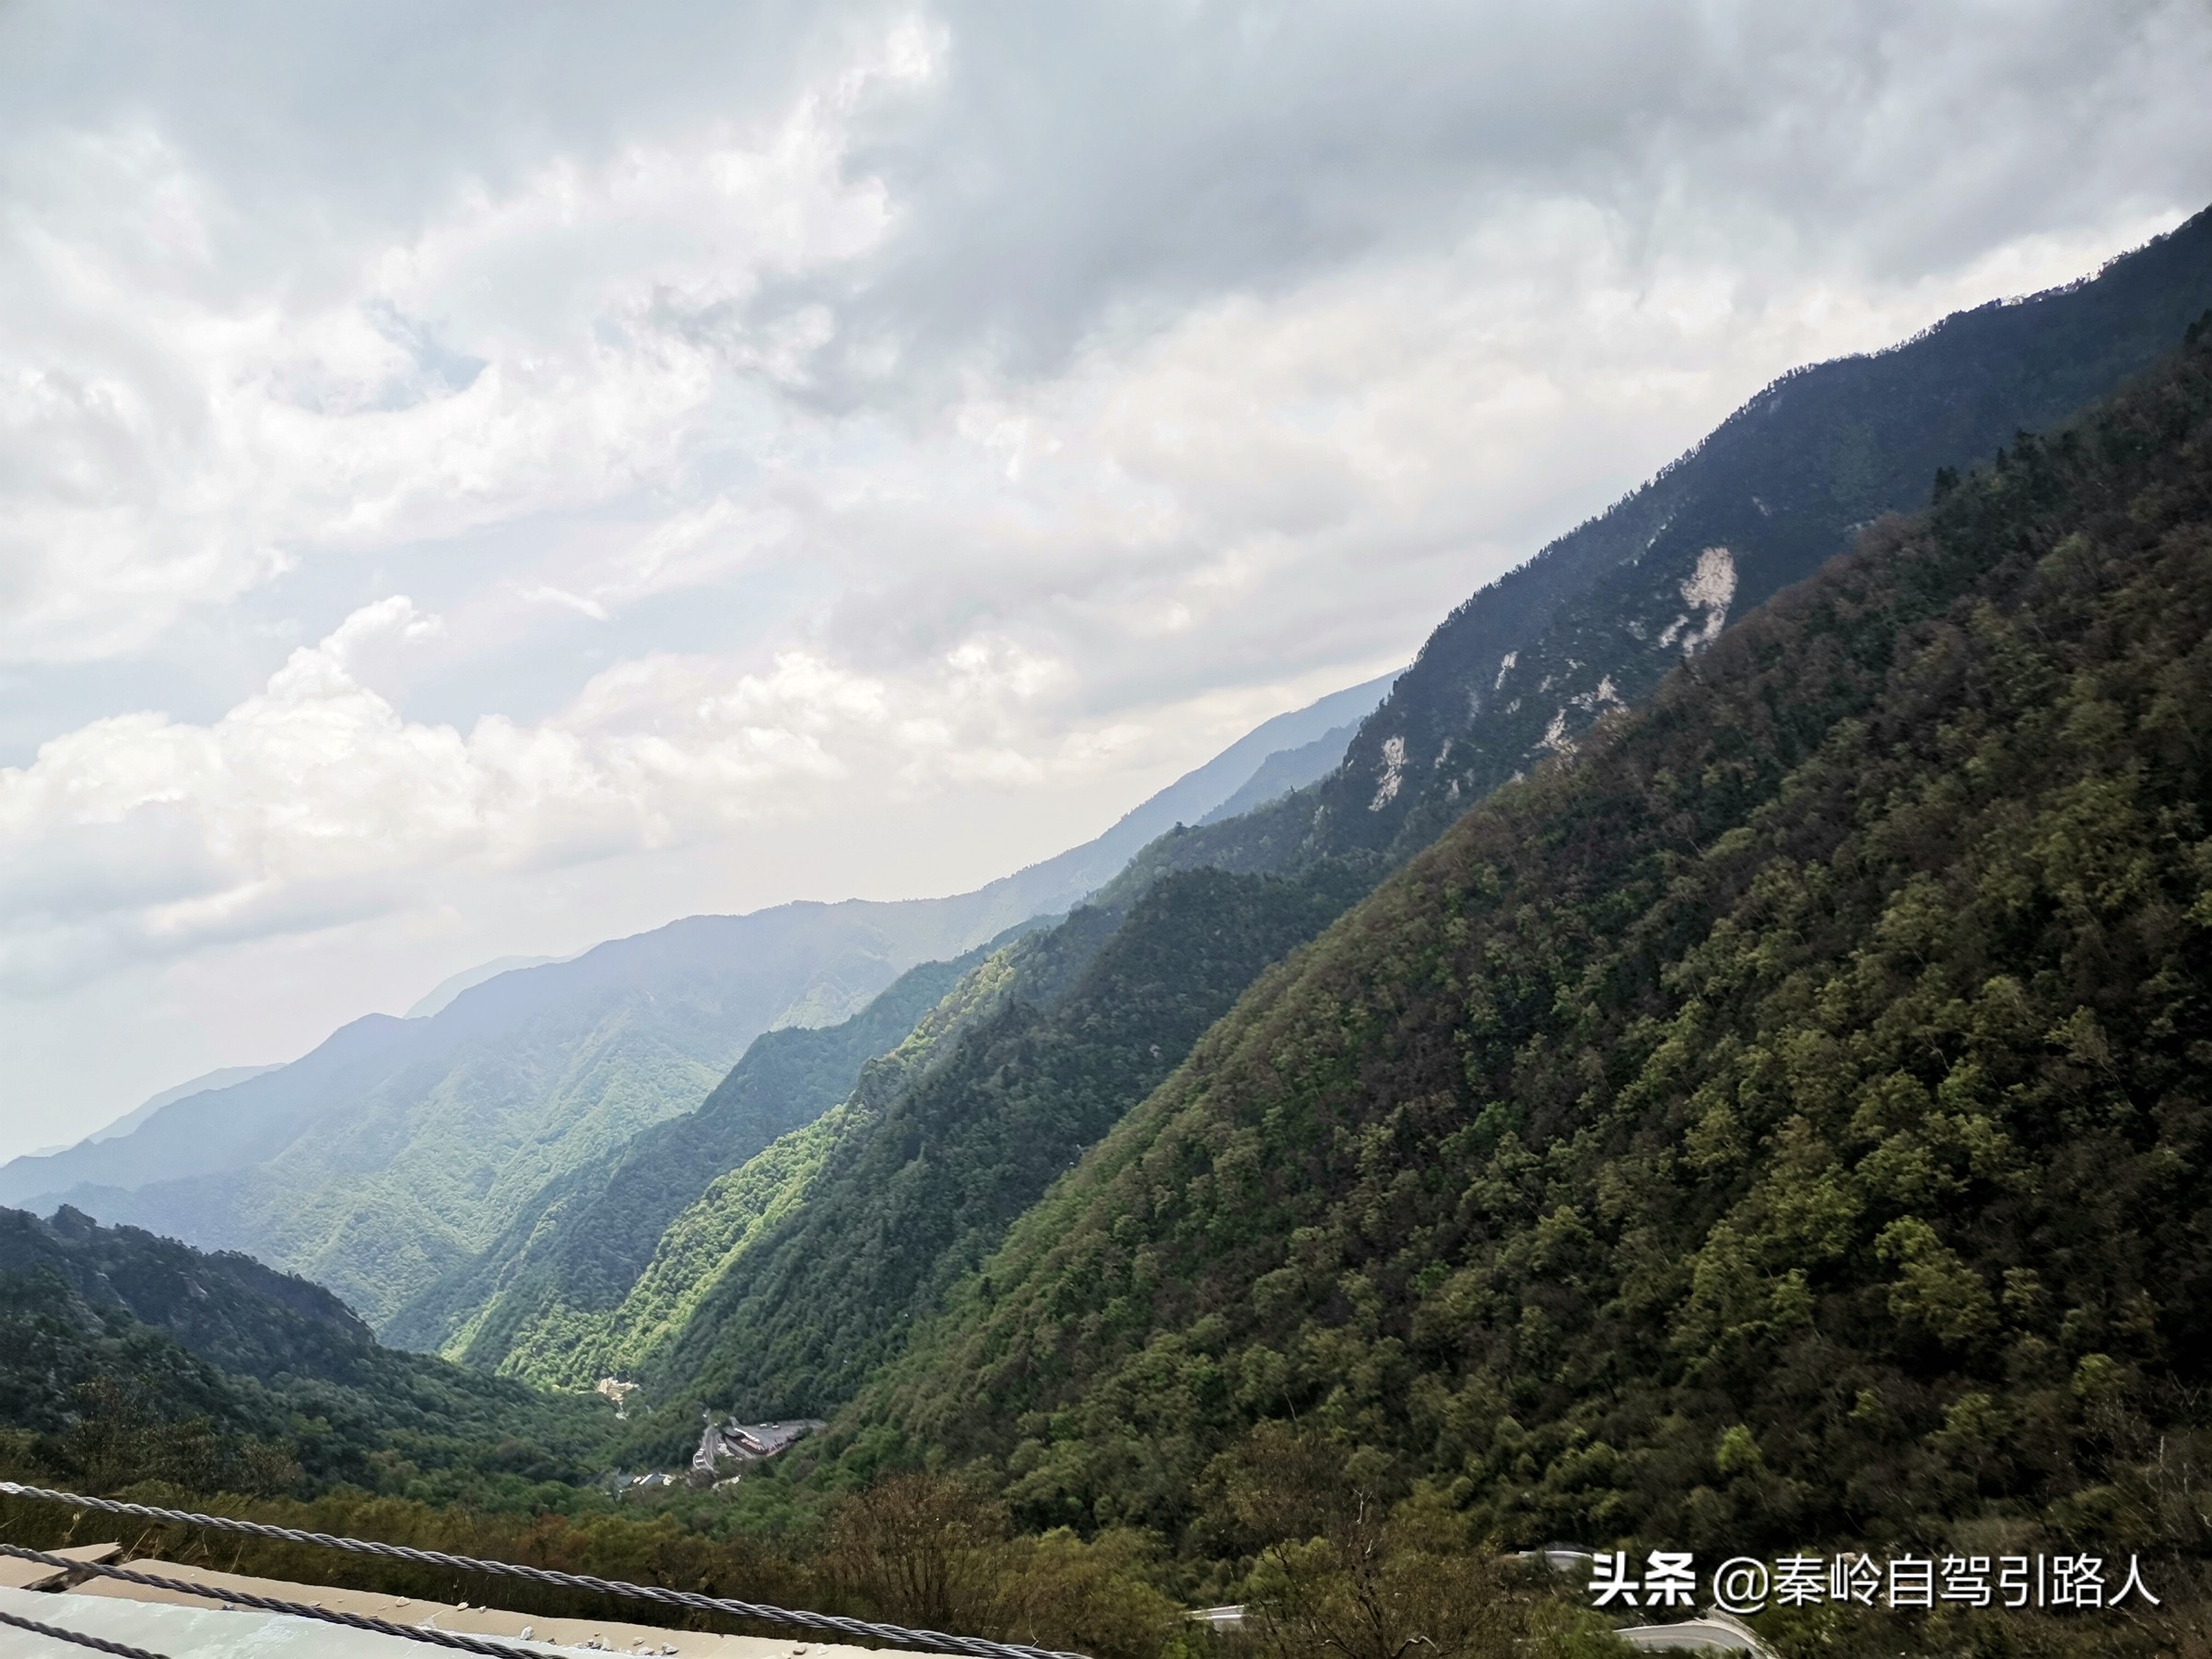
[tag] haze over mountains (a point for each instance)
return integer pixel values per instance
(400, 1148)
(652, 925)
(391, 1162)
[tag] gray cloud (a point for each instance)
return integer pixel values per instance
(1088, 169)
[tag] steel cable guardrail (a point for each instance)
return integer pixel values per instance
(99, 1644)
(976, 1647)
(231, 1596)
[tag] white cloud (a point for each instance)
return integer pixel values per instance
(315, 801)
(177, 439)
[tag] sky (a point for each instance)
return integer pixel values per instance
(480, 480)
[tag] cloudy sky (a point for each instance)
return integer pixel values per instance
(479, 480)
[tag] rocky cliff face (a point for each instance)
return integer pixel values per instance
(1521, 670)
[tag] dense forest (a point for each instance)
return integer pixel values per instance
(582, 1240)
(1787, 1122)
(902, 1209)
(783, 1287)
(564, 1344)
(837, 1273)
(130, 1357)
(1512, 677)
(398, 1151)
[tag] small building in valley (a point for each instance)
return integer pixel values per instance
(722, 1444)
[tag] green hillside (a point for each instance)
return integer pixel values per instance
(564, 1342)
(448, 1173)
(399, 1150)
(797, 1272)
(227, 1307)
(904, 1200)
(1788, 1122)
(78, 1377)
(127, 1358)
(581, 1241)
(577, 1245)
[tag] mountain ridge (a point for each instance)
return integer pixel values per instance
(127, 1358)
(583, 1239)
(1516, 674)
(910, 1194)
(390, 1157)
(1784, 1119)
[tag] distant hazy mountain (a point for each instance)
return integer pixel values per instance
(221, 1077)
(794, 1276)
(1274, 757)
(568, 1262)
(437, 996)
(1288, 769)
(399, 1150)
(580, 1242)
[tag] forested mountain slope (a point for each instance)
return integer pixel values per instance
(793, 1275)
(561, 1342)
(221, 1077)
(228, 1309)
(912, 1197)
(129, 1358)
(1516, 675)
(581, 1241)
(399, 1148)
(1790, 1121)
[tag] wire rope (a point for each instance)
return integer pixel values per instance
(976, 1647)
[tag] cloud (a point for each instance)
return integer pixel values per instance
(223, 367)
(179, 432)
(315, 801)
(1089, 175)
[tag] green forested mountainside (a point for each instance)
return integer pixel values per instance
(582, 1240)
(580, 1243)
(561, 1343)
(795, 1273)
(1788, 1122)
(400, 1148)
(745, 973)
(125, 1357)
(63, 1356)
(907, 1199)
(1975, 373)
(230, 1309)
(1518, 672)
